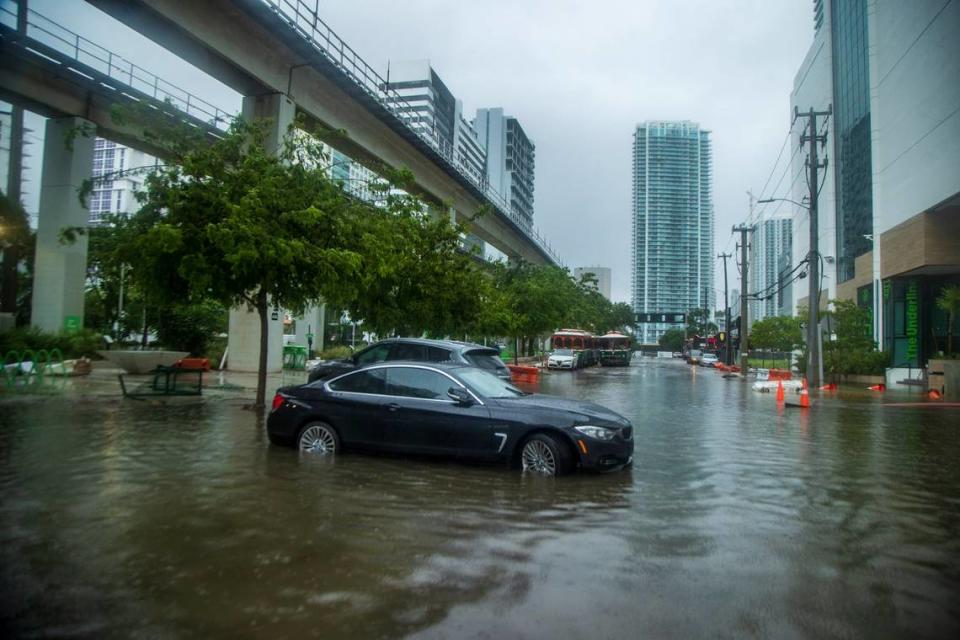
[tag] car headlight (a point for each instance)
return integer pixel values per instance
(599, 433)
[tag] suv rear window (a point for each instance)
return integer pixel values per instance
(436, 354)
(486, 359)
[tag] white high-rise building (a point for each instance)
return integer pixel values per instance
(770, 239)
(673, 257)
(115, 190)
(429, 107)
(510, 161)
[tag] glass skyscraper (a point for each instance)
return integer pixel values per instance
(673, 255)
(854, 173)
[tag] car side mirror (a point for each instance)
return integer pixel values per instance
(462, 396)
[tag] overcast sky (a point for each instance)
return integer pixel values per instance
(579, 76)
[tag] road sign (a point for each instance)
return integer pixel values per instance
(662, 317)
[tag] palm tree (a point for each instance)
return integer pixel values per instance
(949, 301)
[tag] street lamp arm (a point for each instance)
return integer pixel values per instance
(769, 200)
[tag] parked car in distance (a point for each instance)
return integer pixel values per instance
(709, 359)
(562, 359)
(450, 410)
(419, 350)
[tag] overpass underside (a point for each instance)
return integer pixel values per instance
(257, 50)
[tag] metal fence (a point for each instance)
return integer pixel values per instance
(45, 31)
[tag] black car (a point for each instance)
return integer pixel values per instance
(418, 350)
(449, 409)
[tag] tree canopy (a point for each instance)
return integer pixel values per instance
(233, 222)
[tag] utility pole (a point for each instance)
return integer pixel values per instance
(744, 320)
(726, 310)
(810, 135)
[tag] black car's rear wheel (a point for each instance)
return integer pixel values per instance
(543, 454)
(319, 438)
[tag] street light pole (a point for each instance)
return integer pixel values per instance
(743, 230)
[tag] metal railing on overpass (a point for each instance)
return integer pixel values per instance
(306, 22)
(59, 39)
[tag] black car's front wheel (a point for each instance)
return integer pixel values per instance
(319, 438)
(543, 454)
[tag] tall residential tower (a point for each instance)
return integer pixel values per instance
(673, 254)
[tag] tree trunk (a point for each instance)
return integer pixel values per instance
(8, 281)
(262, 310)
(950, 320)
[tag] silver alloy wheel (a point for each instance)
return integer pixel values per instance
(318, 439)
(538, 457)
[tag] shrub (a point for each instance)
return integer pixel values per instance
(335, 353)
(83, 343)
(192, 327)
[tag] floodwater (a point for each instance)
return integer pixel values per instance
(177, 519)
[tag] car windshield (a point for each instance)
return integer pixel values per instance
(562, 352)
(489, 385)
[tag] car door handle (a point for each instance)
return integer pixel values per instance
(393, 406)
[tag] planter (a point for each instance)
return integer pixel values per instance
(143, 361)
(935, 375)
(857, 379)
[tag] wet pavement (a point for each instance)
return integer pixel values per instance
(168, 519)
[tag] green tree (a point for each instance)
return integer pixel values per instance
(853, 351)
(229, 221)
(698, 322)
(672, 340)
(778, 333)
(949, 301)
(16, 243)
(621, 317)
(414, 276)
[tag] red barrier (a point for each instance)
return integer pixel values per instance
(193, 363)
(521, 373)
(780, 374)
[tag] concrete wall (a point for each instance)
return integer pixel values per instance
(915, 105)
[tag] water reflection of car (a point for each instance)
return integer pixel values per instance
(450, 410)
(709, 360)
(562, 359)
(420, 350)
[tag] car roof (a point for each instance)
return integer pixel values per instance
(450, 344)
(443, 366)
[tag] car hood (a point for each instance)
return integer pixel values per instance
(582, 412)
(561, 357)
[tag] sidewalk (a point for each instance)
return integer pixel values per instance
(103, 382)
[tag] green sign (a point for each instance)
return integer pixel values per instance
(913, 319)
(72, 324)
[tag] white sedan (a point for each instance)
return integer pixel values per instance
(562, 359)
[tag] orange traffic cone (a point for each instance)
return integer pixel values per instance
(780, 391)
(878, 387)
(804, 396)
(933, 394)
(829, 387)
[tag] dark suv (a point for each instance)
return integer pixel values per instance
(420, 350)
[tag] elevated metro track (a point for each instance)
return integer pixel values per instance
(50, 70)
(260, 47)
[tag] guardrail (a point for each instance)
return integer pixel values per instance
(72, 45)
(306, 22)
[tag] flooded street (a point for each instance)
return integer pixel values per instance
(177, 519)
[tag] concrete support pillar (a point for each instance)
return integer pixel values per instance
(60, 269)
(243, 341)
